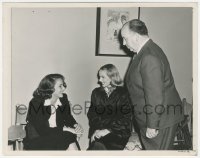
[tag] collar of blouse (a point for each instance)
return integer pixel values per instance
(109, 90)
(47, 102)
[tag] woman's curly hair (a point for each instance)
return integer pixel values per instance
(46, 86)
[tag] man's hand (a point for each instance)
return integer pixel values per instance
(151, 133)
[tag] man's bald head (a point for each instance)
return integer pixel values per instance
(134, 33)
(137, 26)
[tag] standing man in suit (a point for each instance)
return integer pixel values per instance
(157, 105)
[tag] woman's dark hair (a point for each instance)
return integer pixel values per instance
(112, 73)
(46, 86)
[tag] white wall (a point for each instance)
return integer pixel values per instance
(63, 41)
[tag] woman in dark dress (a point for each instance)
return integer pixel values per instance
(110, 112)
(50, 125)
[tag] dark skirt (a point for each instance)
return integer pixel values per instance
(109, 142)
(59, 141)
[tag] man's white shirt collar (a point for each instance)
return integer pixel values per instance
(143, 45)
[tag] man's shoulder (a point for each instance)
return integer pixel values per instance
(122, 89)
(151, 48)
(150, 56)
(153, 53)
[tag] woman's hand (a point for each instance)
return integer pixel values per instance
(94, 135)
(133, 146)
(102, 133)
(69, 129)
(134, 142)
(99, 133)
(78, 129)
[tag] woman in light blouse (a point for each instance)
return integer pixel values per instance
(50, 125)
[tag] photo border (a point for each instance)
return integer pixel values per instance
(7, 80)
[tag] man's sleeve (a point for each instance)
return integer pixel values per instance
(153, 84)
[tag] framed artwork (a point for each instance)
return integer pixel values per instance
(108, 25)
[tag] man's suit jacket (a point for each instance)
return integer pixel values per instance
(150, 83)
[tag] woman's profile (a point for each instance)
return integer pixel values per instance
(50, 125)
(110, 112)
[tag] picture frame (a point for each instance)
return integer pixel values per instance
(108, 25)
